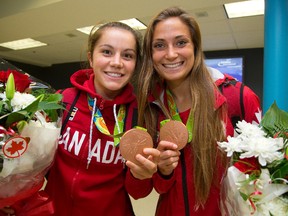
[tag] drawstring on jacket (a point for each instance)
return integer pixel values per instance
(90, 134)
(116, 119)
(91, 129)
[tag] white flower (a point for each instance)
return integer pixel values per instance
(21, 100)
(277, 206)
(266, 149)
(249, 130)
(233, 145)
(3, 96)
(251, 193)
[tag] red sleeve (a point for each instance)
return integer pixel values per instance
(137, 188)
(161, 184)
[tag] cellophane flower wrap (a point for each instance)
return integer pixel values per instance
(30, 122)
(257, 180)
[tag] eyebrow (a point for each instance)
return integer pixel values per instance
(108, 45)
(177, 37)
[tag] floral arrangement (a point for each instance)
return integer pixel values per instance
(30, 122)
(257, 181)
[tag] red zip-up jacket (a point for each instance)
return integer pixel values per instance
(100, 188)
(180, 185)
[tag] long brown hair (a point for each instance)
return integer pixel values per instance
(208, 126)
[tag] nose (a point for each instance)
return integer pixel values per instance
(171, 53)
(116, 61)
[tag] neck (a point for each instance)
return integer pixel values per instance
(108, 95)
(182, 97)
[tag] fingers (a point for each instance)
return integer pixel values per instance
(169, 157)
(152, 153)
(142, 171)
(165, 158)
(165, 145)
(146, 167)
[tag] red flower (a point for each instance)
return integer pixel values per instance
(247, 165)
(22, 81)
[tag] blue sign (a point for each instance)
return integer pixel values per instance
(232, 66)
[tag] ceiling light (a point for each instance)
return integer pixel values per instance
(244, 8)
(22, 44)
(133, 23)
(86, 29)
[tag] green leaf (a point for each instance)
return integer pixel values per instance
(54, 98)
(33, 107)
(46, 105)
(1, 106)
(21, 125)
(23, 114)
(244, 196)
(53, 115)
(16, 116)
(274, 120)
(281, 171)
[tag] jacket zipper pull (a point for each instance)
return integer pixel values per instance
(88, 161)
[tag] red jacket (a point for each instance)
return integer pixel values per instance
(99, 189)
(242, 102)
(171, 201)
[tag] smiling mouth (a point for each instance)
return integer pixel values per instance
(174, 65)
(113, 74)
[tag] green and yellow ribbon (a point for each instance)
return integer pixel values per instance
(175, 114)
(101, 125)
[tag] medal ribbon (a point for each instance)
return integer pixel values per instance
(101, 125)
(175, 114)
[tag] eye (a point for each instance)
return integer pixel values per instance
(158, 45)
(129, 56)
(181, 43)
(106, 52)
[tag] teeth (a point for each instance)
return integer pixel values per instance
(173, 65)
(114, 74)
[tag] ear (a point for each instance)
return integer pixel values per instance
(90, 57)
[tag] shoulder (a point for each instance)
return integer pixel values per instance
(67, 91)
(69, 94)
(219, 99)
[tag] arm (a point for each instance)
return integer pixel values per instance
(139, 178)
(169, 158)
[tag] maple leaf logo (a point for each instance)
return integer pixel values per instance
(16, 146)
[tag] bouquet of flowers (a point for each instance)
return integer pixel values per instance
(30, 122)
(257, 181)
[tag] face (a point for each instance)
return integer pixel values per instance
(113, 61)
(173, 50)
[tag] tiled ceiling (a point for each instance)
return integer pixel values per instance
(54, 22)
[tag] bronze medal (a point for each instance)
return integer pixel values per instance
(133, 142)
(176, 132)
